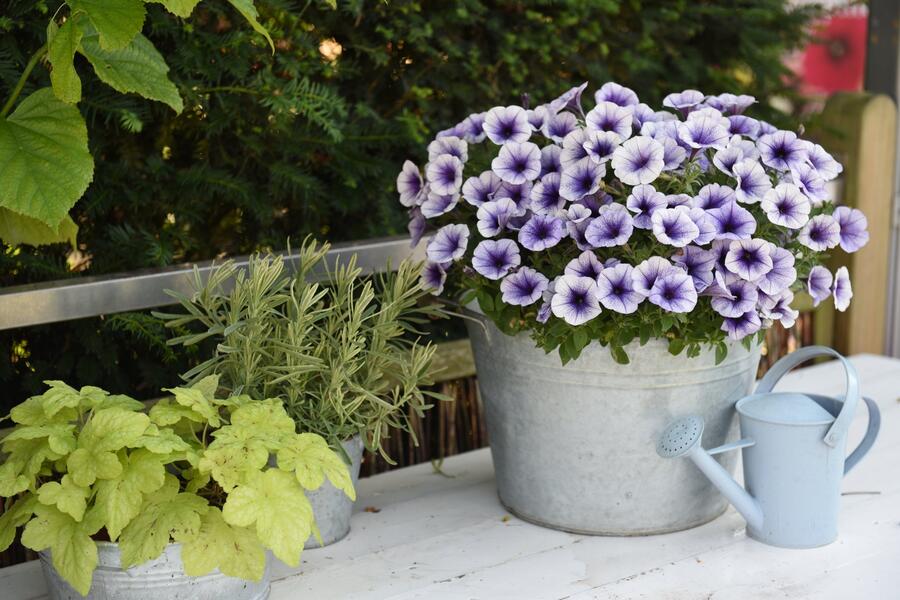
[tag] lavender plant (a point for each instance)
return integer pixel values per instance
(695, 224)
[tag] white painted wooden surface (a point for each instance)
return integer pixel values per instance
(447, 537)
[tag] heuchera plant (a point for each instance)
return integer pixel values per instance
(695, 224)
(84, 465)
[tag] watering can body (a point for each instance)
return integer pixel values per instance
(794, 449)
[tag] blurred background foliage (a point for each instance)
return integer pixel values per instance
(308, 140)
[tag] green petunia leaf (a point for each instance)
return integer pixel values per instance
(273, 503)
(235, 551)
(117, 21)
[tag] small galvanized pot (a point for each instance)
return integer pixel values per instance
(331, 507)
(574, 446)
(162, 577)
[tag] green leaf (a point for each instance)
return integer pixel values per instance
(196, 400)
(59, 397)
(88, 465)
(120, 499)
(235, 551)
(162, 441)
(61, 54)
(15, 515)
(167, 412)
(12, 481)
(721, 352)
(676, 345)
(60, 436)
(166, 514)
(111, 429)
(619, 355)
(181, 8)
(248, 10)
(73, 551)
(117, 21)
(45, 158)
(275, 503)
(311, 460)
(137, 68)
(66, 495)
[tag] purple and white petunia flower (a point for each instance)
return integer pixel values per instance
(733, 222)
(558, 126)
(698, 263)
(684, 101)
(740, 327)
(705, 224)
(823, 162)
(507, 124)
(617, 94)
(854, 226)
(434, 275)
(470, 129)
(810, 183)
(703, 132)
(674, 226)
(444, 174)
(573, 149)
(673, 154)
(517, 162)
(782, 150)
(842, 290)
(641, 114)
(782, 274)
(607, 116)
(643, 201)
(481, 189)
(537, 117)
(600, 145)
(638, 160)
(744, 126)
(550, 159)
(577, 221)
(720, 248)
(779, 308)
(520, 193)
(647, 272)
(740, 296)
(612, 227)
(416, 226)
(575, 299)
(448, 244)
(749, 259)
(673, 200)
(766, 128)
(730, 103)
(545, 196)
(786, 205)
(752, 181)
(615, 287)
(438, 204)
(451, 145)
(409, 185)
(821, 233)
(495, 215)
(523, 287)
(674, 291)
(581, 179)
(819, 283)
(495, 258)
(727, 157)
(542, 232)
(570, 99)
(714, 195)
(585, 265)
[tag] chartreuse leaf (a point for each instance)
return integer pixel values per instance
(61, 53)
(93, 398)
(163, 441)
(137, 68)
(18, 229)
(73, 551)
(121, 498)
(311, 460)
(12, 481)
(65, 495)
(235, 551)
(276, 505)
(15, 515)
(60, 396)
(197, 401)
(108, 431)
(117, 21)
(165, 514)
(45, 158)
(27, 457)
(181, 8)
(167, 412)
(60, 436)
(248, 10)
(266, 418)
(87, 465)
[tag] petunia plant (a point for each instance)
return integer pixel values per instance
(224, 477)
(695, 223)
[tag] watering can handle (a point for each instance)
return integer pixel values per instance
(851, 399)
(871, 433)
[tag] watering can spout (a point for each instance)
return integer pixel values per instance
(682, 438)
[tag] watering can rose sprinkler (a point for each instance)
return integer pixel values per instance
(793, 449)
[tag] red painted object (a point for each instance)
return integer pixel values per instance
(835, 60)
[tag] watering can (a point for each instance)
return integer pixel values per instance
(794, 455)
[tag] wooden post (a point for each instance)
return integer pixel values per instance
(861, 131)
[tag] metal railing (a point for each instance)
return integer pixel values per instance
(77, 298)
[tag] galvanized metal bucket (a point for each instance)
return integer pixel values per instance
(162, 577)
(573, 446)
(331, 507)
